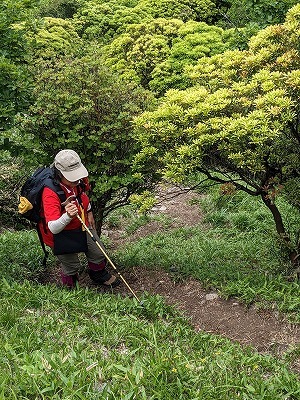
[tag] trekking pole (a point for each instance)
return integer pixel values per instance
(106, 255)
(102, 249)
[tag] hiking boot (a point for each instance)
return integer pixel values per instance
(69, 281)
(103, 277)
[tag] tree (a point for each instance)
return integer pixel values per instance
(194, 40)
(15, 87)
(40, 38)
(197, 10)
(50, 37)
(156, 53)
(102, 21)
(142, 47)
(262, 12)
(238, 125)
(58, 8)
(15, 82)
(106, 20)
(80, 104)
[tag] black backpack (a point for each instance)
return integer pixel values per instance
(31, 192)
(33, 188)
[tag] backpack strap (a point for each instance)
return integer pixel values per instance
(55, 186)
(46, 253)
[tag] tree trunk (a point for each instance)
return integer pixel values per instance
(280, 229)
(98, 215)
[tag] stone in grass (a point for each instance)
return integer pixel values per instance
(211, 296)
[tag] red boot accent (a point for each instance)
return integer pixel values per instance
(69, 280)
(97, 267)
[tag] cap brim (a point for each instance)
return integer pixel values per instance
(75, 175)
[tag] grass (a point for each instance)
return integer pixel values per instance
(57, 344)
(69, 345)
(131, 221)
(234, 250)
(21, 256)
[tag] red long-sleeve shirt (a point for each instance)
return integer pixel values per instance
(52, 210)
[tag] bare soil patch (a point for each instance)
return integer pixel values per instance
(174, 203)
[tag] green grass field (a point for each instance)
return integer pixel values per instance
(59, 344)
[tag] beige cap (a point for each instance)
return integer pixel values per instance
(69, 164)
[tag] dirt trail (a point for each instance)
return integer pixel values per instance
(210, 313)
(205, 309)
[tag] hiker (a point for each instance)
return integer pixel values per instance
(60, 228)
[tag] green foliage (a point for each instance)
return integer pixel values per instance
(198, 10)
(14, 77)
(156, 52)
(58, 8)
(144, 201)
(83, 345)
(80, 104)
(104, 21)
(21, 256)
(11, 41)
(263, 12)
(10, 176)
(238, 123)
(50, 37)
(194, 40)
(15, 92)
(142, 47)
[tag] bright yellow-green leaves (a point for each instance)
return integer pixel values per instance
(144, 201)
(240, 115)
(157, 52)
(51, 37)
